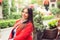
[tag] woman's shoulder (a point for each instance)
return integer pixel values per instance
(29, 23)
(17, 20)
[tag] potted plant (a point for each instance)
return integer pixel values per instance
(38, 24)
(51, 33)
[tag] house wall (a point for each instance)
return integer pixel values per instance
(53, 3)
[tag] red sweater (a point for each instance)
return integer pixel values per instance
(25, 34)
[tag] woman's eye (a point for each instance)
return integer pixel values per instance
(25, 12)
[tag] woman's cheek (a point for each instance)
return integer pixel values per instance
(26, 15)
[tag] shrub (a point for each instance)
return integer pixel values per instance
(58, 4)
(5, 9)
(5, 6)
(6, 23)
(55, 10)
(48, 17)
(13, 9)
(14, 15)
(52, 24)
(11, 23)
(38, 22)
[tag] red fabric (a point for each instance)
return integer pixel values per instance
(24, 34)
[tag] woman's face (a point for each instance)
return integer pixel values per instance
(25, 14)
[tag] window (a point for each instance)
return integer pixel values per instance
(53, 5)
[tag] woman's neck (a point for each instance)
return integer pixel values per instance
(23, 20)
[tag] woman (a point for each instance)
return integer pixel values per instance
(23, 28)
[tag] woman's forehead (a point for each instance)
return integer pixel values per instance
(25, 10)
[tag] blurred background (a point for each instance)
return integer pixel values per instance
(10, 11)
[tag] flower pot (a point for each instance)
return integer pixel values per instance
(37, 35)
(50, 33)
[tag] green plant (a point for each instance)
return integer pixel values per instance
(38, 22)
(5, 10)
(33, 1)
(58, 4)
(11, 23)
(48, 17)
(7, 14)
(6, 23)
(55, 10)
(52, 24)
(13, 7)
(3, 24)
(14, 15)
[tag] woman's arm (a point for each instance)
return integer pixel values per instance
(10, 36)
(25, 32)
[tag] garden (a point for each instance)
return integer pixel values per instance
(45, 22)
(46, 25)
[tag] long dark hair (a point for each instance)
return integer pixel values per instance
(30, 15)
